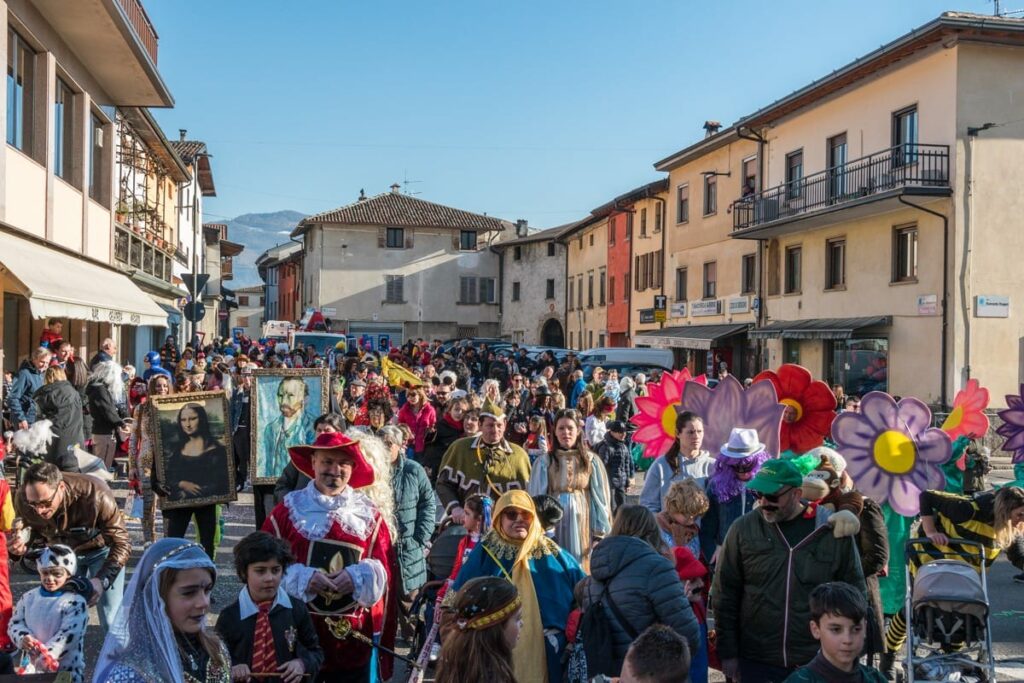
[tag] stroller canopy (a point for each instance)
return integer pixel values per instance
(952, 586)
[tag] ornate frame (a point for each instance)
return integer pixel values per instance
(255, 427)
(159, 454)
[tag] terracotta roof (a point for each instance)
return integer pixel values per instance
(188, 149)
(193, 153)
(538, 236)
(398, 210)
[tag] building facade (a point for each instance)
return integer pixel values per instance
(248, 318)
(586, 254)
(532, 284)
(278, 268)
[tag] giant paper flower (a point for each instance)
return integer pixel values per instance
(892, 452)
(656, 418)
(1013, 426)
(968, 416)
(810, 406)
(728, 405)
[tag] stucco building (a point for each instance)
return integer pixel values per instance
(279, 268)
(397, 266)
(586, 267)
(532, 283)
(247, 319)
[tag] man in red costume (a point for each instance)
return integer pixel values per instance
(343, 551)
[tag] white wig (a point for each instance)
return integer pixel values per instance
(380, 491)
(109, 373)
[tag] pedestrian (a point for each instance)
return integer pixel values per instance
(161, 634)
(659, 655)
(772, 558)
(684, 460)
(420, 416)
(52, 335)
(597, 422)
(106, 354)
(618, 462)
(140, 461)
(59, 402)
(80, 511)
(28, 379)
(485, 625)
(627, 399)
(681, 511)
(105, 392)
(266, 632)
(536, 443)
(692, 572)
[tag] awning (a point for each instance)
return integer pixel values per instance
(173, 314)
(699, 337)
(58, 285)
(819, 328)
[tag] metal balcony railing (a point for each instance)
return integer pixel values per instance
(139, 20)
(908, 165)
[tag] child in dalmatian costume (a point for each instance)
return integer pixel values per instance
(48, 625)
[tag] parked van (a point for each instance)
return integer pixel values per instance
(612, 356)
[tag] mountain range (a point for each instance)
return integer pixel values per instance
(258, 232)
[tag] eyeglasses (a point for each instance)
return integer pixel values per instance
(512, 515)
(38, 504)
(775, 497)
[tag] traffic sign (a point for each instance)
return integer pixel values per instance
(660, 302)
(195, 283)
(222, 314)
(195, 311)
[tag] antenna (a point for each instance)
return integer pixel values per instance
(406, 183)
(999, 12)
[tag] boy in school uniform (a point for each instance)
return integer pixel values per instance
(265, 630)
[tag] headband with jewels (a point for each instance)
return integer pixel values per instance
(487, 619)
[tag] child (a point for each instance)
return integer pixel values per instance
(49, 622)
(478, 644)
(265, 631)
(536, 443)
(692, 573)
(839, 623)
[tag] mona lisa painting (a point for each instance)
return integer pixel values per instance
(193, 460)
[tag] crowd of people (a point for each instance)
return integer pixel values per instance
(764, 568)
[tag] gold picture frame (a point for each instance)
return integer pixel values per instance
(175, 433)
(269, 435)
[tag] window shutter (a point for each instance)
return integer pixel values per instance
(408, 238)
(382, 237)
(399, 283)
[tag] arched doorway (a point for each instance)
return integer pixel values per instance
(551, 334)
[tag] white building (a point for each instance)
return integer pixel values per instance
(532, 271)
(247, 319)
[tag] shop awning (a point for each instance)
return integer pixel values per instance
(819, 328)
(58, 285)
(699, 337)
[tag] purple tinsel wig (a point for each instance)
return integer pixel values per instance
(723, 483)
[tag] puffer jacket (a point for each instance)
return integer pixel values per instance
(61, 404)
(645, 588)
(419, 423)
(618, 461)
(446, 432)
(415, 516)
(106, 415)
(761, 588)
(26, 382)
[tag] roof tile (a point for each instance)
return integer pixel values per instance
(400, 210)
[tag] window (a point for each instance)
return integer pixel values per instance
(517, 253)
(904, 254)
(570, 339)
(515, 291)
(710, 194)
(467, 240)
(835, 264)
(860, 365)
(638, 267)
(590, 339)
(579, 291)
(467, 290)
(837, 166)
(64, 130)
(793, 258)
(680, 284)
(571, 303)
(749, 177)
(611, 289)
(625, 287)
(904, 136)
(794, 174)
(601, 288)
(659, 216)
(97, 168)
(590, 289)
(243, 300)
(487, 290)
(551, 248)
(749, 274)
(549, 291)
(629, 224)
(591, 239)
(395, 238)
(394, 289)
(600, 340)
(20, 89)
(643, 222)
(682, 204)
(791, 351)
(710, 280)
(611, 231)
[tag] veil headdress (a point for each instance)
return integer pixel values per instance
(142, 637)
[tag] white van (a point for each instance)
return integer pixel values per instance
(614, 356)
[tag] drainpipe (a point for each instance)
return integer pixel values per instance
(945, 288)
(761, 243)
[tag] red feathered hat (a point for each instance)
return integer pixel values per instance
(302, 457)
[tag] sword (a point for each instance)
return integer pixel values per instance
(342, 629)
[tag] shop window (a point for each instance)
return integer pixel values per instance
(791, 351)
(860, 365)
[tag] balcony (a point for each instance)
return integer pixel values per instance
(226, 268)
(862, 187)
(137, 17)
(143, 252)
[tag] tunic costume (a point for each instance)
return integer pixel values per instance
(470, 466)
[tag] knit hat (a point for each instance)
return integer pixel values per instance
(60, 557)
(688, 567)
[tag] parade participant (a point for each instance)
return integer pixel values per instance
(240, 406)
(140, 461)
(420, 416)
(59, 402)
(161, 633)
(485, 627)
(48, 625)
(448, 429)
(105, 392)
(659, 655)
(728, 499)
(544, 574)
(292, 426)
(576, 478)
(684, 460)
(26, 382)
(266, 632)
(486, 463)
(772, 558)
(536, 443)
(80, 511)
(293, 480)
(155, 366)
(345, 545)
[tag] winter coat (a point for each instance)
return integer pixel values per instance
(627, 405)
(60, 403)
(873, 542)
(762, 586)
(415, 517)
(715, 523)
(645, 588)
(577, 390)
(618, 461)
(445, 434)
(106, 415)
(20, 399)
(420, 423)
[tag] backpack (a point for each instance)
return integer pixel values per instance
(596, 634)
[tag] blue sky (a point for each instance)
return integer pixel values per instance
(527, 109)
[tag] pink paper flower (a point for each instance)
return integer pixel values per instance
(656, 419)
(968, 416)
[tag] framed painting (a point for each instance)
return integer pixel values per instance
(284, 404)
(192, 449)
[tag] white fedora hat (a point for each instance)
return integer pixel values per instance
(742, 443)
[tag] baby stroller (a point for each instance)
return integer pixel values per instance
(947, 609)
(440, 560)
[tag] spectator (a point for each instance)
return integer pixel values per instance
(105, 393)
(59, 402)
(140, 460)
(420, 416)
(597, 422)
(679, 519)
(618, 462)
(108, 349)
(53, 335)
(659, 655)
(627, 400)
(20, 398)
(576, 388)
(684, 460)
(448, 429)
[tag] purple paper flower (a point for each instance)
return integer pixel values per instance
(892, 452)
(728, 405)
(1013, 426)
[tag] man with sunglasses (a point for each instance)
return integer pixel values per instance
(771, 560)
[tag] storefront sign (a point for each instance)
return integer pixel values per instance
(646, 315)
(991, 306)
(328, 311)
(739, 304)
(679, 309)
(928, 304)
(699, 308)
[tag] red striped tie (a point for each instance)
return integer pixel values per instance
(264, 658)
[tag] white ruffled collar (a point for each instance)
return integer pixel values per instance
(312, 512)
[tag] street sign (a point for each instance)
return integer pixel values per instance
(222, 314)
(647, 315)
(195, 311)
(195, 283)
(660, 302)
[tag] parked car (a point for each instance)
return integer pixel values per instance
(611, 356)
(624, 369)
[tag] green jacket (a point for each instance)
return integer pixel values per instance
(761, 588)
(415, 516)
(806, 675)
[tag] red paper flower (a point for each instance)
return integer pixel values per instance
(656, 418)
(810, 407)
(968, 416)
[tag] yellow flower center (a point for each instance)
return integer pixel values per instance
(895, 452)
(795, 410)
(953, 420)
(668, 419)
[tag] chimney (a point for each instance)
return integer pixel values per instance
(711, 127)
(521, 228)
(395, 187)
(362, 195)
(182, 132)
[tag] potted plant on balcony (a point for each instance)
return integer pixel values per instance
(121, 212)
